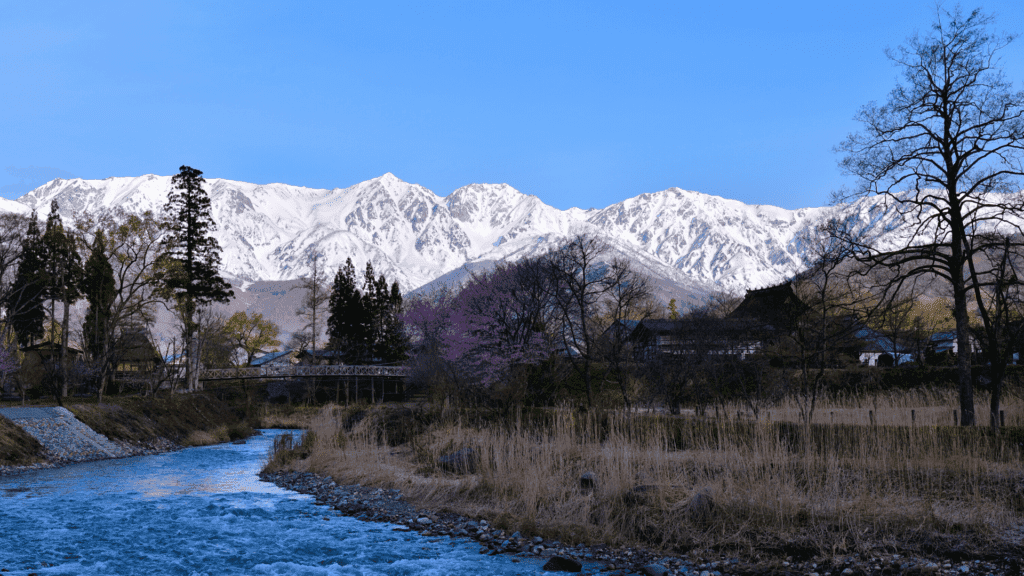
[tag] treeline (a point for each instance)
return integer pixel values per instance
(364, 325)
(519, 332)
(578, 324)
(123, 265)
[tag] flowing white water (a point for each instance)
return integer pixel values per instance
(204, 511)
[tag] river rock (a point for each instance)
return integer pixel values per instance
(562, 564)
(655, 570)
(461, 461)
(699, 508)
(588, 481)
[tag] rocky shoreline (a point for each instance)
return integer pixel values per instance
(380, 505)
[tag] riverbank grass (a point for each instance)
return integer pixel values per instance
(187, 419)
(17, 447)
(286, 416)
(687, 484)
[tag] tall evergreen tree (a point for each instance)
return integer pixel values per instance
(373, 305)
(100, 291)
(191, 259)
(27, 294)
(346, 324)
(365, 324)
(63, 273)
(394, 344)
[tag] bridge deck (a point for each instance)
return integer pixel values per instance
(299, 371)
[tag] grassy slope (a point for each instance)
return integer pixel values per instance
(17, 447)
(186, 419)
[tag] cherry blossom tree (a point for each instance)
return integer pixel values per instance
(480, 335)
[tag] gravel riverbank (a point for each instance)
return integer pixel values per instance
(379, 505)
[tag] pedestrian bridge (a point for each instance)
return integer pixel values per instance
(300, 371)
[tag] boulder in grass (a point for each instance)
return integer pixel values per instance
(588, 481)
(699, 508)
(461, 461)
(639, 495)
(562, 564)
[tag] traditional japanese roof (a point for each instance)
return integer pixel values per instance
(719, 327)
(136, 345)
(49, 347)
(778, 306)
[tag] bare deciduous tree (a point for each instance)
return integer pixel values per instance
(133, 245)
(999, 290)
(943, 151)
(581, 282)
(314, 302)
(827, 327)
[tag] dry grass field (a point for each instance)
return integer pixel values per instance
(286, 416)
(702, 485)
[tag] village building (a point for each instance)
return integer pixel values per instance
(881, 351)
(39, 360)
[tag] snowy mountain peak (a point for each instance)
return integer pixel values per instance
(468, 202)
(693, 241)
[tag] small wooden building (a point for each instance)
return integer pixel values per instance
(40, 358)
(136, 355)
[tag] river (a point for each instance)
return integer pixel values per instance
(204, 511)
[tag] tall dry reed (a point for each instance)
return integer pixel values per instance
(922, 407)
(835, 488)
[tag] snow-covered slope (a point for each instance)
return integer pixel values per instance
(710, 238)
(690, 242)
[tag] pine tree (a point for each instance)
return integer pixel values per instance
(384, 333)
(191, 259)
(346, 323)
(394, 344)
(365, 325)
(63, 273)
(373, 306)
(100, 290)
(28, 291)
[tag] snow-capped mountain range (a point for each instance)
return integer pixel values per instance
(691, 242)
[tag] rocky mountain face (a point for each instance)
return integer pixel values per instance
(692, 243)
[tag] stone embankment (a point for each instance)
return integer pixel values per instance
(66, 440)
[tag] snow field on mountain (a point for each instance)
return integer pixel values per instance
(691, 243)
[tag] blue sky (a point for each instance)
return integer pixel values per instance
(580, 103)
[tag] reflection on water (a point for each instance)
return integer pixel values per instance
(204, 511)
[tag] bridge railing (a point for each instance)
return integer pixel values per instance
(301, 370)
